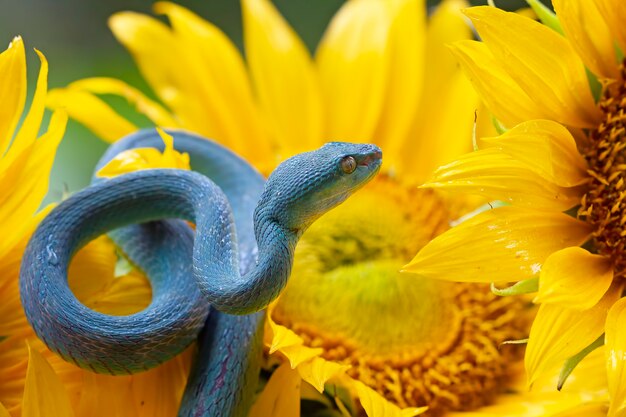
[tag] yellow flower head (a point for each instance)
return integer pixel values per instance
(559, 89)
(34, 381)
(25, 164)
(348, 321)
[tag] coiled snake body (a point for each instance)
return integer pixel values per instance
(237, 261)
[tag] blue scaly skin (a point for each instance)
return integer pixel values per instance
(237, 261)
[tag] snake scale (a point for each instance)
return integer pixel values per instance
(237, 261)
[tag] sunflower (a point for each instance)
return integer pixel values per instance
(348, 325)
(559, 92)
(34, 381)
(25, 163)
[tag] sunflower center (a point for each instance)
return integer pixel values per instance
(416, 341)
(605, 153)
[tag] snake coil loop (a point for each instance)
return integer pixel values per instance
(241, 252)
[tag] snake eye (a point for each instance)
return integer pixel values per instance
(348, 164)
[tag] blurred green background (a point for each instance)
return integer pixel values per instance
(74, 36)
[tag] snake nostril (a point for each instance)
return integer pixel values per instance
(371, 157)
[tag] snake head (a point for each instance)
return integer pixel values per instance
(307, 185)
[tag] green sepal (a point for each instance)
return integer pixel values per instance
(618, 52)
(547, 16)
(522, 287)
(342, 398)
(320, 413)
(307, 392)
(489, 206)
(66, 192)
(515, 342)
(572, 362)
(594, 85)
(123, 266)
(497, 124)
(310, 408)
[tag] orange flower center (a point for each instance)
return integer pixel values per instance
(602, 206)
(417, 342)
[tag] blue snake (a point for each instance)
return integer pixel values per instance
(237, 261)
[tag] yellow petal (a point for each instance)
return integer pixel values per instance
(444, 131)
(503, 244)
(13, 365)
(297, 354)
(12, 90)
(92, 269)
(574, 278)
(353, 59)
(501, 94)
(441, 127)
(405, 74)
(317, 371)
(125, 295)
(498, 176)
(171, 158)
(281, 395)
(376, 405)
(25, 183)
(27, 134)
(129, 161)
(214, 94)
(541, 61)
(105, 395)
(154, 393)
(150, 108)
(446, 25)
(158, 392)
(613, 12)
(3, 411)
(589, 35)
(559, 333)
(544, 404)
(44, 395)
(547, 148)
(160, 55)
(30, 127)
(92, 278)
(146, 158)
(91, 111)
(13, 318)
(615, 345)
(156, 53)
(284, 78)
(280, 337)
(597, 409)
(588, 377)
(313, 369)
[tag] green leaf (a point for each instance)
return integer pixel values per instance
(572, 362)
(522, 287)
(547, 16)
